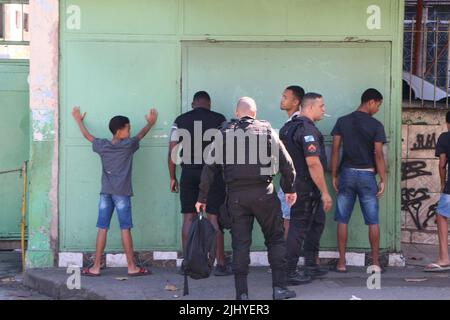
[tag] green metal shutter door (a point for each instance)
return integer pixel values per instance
(14, 144)
(339, 71)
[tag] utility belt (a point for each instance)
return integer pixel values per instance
(305, 184)
(192, 166)
(238, 184)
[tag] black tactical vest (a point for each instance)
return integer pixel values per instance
(295, 149)
(246, 165)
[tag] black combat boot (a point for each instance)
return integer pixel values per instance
(295, 278)
(315, 271)
(283, 293)
(240, 282)
(242, 296)
(312, 267)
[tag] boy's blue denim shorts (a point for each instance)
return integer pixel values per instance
(286, 210)
(364, 184)
(443, 207)
(107, 204)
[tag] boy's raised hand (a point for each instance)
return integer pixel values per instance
(151, 119)
(152, 116)
(76, 113)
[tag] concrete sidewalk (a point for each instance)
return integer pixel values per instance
(406, 283)
(397, 283)
(11, 286)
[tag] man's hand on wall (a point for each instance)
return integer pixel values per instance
(76, 113)
(152, 116)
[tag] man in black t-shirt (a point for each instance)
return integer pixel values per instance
(443, 208)
(187, 132)
(362, 137)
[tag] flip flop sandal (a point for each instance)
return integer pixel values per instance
(87, 273)
(333, 267)
(434, 267)
(140, 273)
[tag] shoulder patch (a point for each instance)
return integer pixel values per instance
(309, 139)
(312, 148)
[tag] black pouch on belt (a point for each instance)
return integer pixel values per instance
(225, 215)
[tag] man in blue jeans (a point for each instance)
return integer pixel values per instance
(116, 156)
(291, 101)
(443, 209)
(362, 138)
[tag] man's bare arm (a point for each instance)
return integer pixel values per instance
(443, 169)
(381, 167)
(317, 174)
(151, 119)
(173, 147)
(337, 140)
(79, 118)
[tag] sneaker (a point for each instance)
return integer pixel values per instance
(296, 278)
(221, 271)
(283, 293)
(315, 271)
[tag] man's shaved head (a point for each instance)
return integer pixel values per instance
(246, 107)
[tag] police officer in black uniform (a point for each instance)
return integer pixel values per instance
(251, 193)
(306, 147)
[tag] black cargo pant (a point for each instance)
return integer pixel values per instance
(246, 203)
(305, 226)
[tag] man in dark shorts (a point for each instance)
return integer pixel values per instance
(188, 131)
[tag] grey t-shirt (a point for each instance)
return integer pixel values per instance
(117, 163)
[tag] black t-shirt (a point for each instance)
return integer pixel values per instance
(443, 147)
(307, 141)
(205, 119)
(359, 132)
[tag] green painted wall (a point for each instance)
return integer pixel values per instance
(40, 250)
(230, 70)
(44, 104)
(14, 145)
(126, 56)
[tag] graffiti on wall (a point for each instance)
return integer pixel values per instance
(416, 195)
(424, 142)
(414, 169)
(412, 202)
(430, 214)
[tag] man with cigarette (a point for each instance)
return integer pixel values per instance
(306, 147)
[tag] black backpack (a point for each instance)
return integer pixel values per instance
(200, 251)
